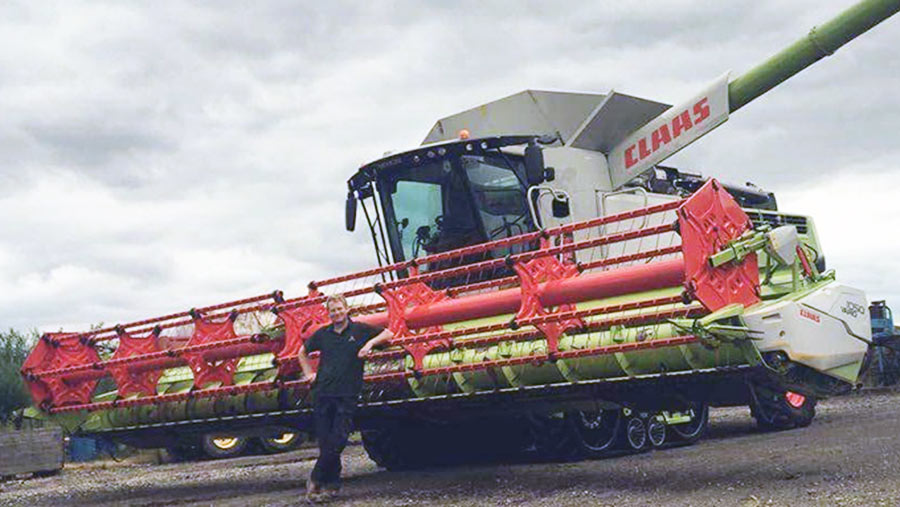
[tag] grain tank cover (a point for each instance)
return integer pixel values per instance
(527, 112)
(590, 121)
(616, 117)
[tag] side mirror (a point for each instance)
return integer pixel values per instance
(560, 207)
(350, 212)
(534, 164)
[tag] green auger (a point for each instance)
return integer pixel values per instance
(780, 243)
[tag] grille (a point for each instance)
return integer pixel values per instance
(778, 219)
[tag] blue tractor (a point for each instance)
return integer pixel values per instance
(885, 368)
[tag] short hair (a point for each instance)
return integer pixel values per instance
(336, 298)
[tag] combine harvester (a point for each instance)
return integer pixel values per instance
(555, 292)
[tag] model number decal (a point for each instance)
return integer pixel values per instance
(853, 309)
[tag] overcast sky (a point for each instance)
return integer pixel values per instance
(156, 156)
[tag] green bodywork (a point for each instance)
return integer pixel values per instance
(820, 42)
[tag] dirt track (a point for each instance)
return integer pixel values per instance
(850, 455)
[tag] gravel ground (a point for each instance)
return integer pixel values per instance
(846, 457)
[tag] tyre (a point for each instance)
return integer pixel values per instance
(283, 443)
(223, 446)
(802, 408)
(775, 411)
(417, 444)
(387, 448)
(185, 450)
(487, 440)
(552, 437)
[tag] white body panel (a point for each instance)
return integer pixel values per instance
(815, 330)
(846, 303)
(669, 132)
(583, 175)
(610, 203)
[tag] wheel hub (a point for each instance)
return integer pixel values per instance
(285, 438)
(225, 442)
(795, 400)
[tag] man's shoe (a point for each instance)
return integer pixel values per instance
(331, 492)
(313, 491)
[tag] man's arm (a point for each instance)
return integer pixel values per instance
(309, 374)
(381, 338)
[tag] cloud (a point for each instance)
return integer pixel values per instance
(854, 229)
(155, 157)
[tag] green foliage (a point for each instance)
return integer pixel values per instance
(14, 347)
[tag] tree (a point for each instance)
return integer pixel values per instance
(14, 347)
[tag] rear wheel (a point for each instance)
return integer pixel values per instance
(551, 437)
(285, 442)
(784, 410)
(405, 445)
(410, 444)
(223, 446)
(385, 448)
(185, 450)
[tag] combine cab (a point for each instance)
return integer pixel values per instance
(553, 291)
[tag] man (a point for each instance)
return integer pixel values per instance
(342, 346)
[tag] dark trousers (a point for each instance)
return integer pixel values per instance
(334, 421)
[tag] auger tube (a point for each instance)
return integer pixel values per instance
(821, 41)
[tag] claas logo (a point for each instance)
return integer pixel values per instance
(667, 132)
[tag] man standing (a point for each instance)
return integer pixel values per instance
(342, 345)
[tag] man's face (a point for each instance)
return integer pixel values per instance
(337, 312)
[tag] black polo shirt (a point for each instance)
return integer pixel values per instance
(340, 370)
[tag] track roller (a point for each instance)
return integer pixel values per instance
(636, 433)
(656, 431)
(692, 430)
